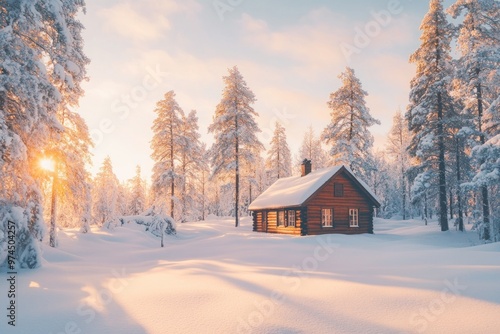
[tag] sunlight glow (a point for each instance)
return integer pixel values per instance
(47, 164)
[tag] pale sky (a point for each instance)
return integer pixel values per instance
(289, 52)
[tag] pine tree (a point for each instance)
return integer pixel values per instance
(397, 145)
(69, 149)
(106, 192)
(312, 149)
(249, 189)
(191, 165)
(279, 160)
(235, 132)
(478, 74)
(378, 178)
(137, 202)
(348, 133)
(41, 67)
(430, 101)
(166, 145)
(204, 184)
(86, 216)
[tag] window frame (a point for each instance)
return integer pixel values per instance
(291, 222)
(353, 217)
(338, 189)
(279, 222)
(323, 218)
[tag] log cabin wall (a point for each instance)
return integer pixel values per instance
(267, 221)
(353, 198)
(341, 194)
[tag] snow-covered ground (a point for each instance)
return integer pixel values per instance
(215, 278)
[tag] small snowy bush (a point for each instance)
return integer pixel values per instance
(157, 224)
(27, 251)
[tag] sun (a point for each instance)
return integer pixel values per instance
(47, 164)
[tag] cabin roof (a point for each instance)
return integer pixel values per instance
(296, 190)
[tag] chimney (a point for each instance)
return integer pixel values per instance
(306, 167)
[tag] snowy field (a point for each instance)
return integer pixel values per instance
(214, 278)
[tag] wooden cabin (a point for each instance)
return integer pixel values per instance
(329, 200)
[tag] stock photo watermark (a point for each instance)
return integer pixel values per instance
(292, 280)
(88, 308)
(224, 6)
(11, 274)
(364, 35)
(122, 106)
(420, 320)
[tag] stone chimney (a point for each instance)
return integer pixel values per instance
(306, 167)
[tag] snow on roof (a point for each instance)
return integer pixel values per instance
(295, 190)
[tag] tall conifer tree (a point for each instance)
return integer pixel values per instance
(235, 132)
(430, 101)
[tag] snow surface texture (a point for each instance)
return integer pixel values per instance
(295, 190)
(214, 278)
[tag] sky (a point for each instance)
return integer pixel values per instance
(289, 52)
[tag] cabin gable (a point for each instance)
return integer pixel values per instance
(350, 196)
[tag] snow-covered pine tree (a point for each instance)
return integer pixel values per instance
(105, 194)
(69, 149)
(86, 216)
(398, 142)
(279, 159)
(461, 169)
(203, 183)
(166, 145)
(261, 176)
(70, 145)
(192, 163)
(478, 74)
(39, 41)
(122, 199)
(489, 175)
(137, 201)
(430, 102)
(258, 178)
(379, 180)
(312, 149)
(235, 132)
(348, 134)
(249, 188)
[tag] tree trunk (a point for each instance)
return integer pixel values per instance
(411, 205)
(237, 172)
(403, 181)
(484, 188)
(425, 207)
(443, 210)
(184, 168)
(451, 202)
(459, 193)
(279, 165)
(172, 185)
(162, 232)
(53, 210)
(203, 196)
(250, 191)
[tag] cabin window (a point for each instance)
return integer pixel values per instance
(338, 190)
(291, 218)
(327, 217)
(281, 218)
(353, 218)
